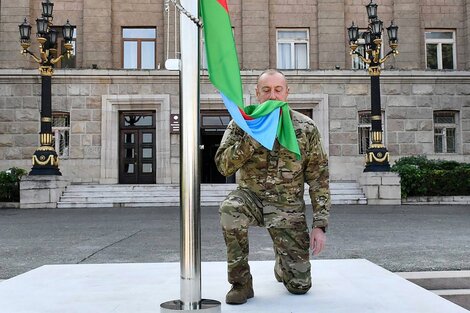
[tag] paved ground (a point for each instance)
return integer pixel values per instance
(399, 238)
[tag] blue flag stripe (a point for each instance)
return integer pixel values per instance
(263, 129)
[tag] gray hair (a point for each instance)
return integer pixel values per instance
(271, 71)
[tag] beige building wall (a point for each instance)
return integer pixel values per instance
(12, 14)
(446, 15)
(407, 16)
(466, 34)
(99, 29)
(409, 99)
(410, 94)
(136, 13)
(331, 34)
(235, 10)
(255, 35)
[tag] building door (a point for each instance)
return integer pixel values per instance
(213, 125)
(137, 147)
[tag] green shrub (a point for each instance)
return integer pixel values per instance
(10, 184)
(423, 177)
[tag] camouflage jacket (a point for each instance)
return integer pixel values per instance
(276, 177)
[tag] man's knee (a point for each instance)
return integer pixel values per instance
(231, 216)
(298, 279)
(229, 206)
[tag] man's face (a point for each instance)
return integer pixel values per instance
(272, 87)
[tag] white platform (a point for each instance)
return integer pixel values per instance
(347, 286)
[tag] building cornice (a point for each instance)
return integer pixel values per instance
(248, 76)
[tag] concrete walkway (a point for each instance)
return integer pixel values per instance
(399, 238)
(340, 286)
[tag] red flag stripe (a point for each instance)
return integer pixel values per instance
(224, 4)
(246, 116)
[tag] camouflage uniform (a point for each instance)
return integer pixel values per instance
(270, 194)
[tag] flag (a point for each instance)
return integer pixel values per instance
(264, 122)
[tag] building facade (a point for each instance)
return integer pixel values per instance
(115, 107)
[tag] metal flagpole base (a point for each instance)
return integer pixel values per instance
(206, 306)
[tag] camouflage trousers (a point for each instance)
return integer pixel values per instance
(242, 209)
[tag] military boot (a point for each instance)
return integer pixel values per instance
(240, 293)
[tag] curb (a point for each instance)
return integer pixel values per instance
(450, 285)
(460, 200)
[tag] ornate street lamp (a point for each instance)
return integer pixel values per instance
(45, 160)
(377, 156)
(371, 10)
(367, 39)
(47, 8)
(67, 33)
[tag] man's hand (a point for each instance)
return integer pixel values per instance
(317, 240)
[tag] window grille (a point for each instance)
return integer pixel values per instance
(445, 130)
(61, 132)
(364, 130)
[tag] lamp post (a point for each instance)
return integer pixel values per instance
(45, 159)
(377, 156)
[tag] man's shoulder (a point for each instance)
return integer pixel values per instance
(302, 121)
(233, 126)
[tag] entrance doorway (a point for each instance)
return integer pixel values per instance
(137, 147)
(213, 125)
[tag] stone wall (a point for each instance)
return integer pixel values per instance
(381, 188)
(408, 100)
(41, 191)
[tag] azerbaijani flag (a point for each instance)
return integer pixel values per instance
(263, 122)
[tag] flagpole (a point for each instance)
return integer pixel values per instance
(190, 217)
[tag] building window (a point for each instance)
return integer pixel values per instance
(61, 132)
(440, 50)
(66, 62)
(357, 63)
(292, 49)
(364, 130)
(139, 46)
(215, 122)
(445, 126)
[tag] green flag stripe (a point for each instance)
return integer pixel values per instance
(285, 129)
(224, 71)
(222, 60)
